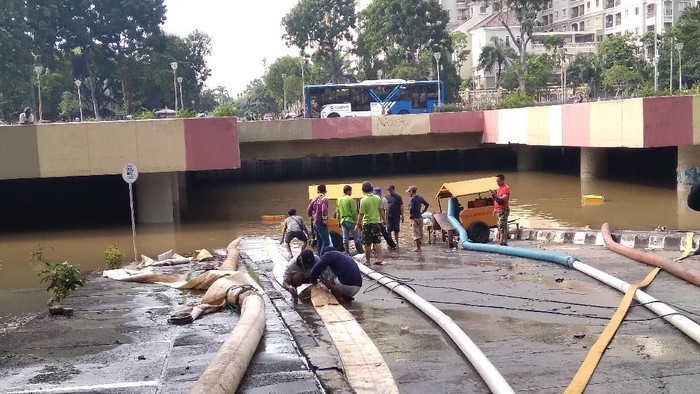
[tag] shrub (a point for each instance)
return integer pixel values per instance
(113, 256)
(63, 279)
(145, 115)
(515, 100)
(186, 113)
(225, 109)
(452, 107)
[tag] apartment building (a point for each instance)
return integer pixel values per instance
(461, 11)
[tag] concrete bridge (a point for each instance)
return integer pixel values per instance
(164, 149)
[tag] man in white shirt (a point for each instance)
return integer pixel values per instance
(26, 117)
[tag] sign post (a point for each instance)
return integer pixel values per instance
(130, 174)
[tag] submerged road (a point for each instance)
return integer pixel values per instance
(534, 320)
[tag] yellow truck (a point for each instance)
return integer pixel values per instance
(477, 216)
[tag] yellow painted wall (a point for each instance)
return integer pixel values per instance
(19, 157)
(538, 128)
(633, 123)
(161, 146)
(64, 149)
(75, 149)
(606, 123)
(396, 125)
(696, 120)
(274, 130)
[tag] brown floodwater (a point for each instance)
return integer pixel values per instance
(218, 214)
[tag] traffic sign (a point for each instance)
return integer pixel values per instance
(130, 173)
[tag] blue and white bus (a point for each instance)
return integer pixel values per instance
(374, 97)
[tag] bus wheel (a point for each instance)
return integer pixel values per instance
(403, 112)
(333, 115)
(337, 240)
(479, 232)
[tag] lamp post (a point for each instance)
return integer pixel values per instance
(80, 100)
(679, 46)
(303, 87)
(38, 70)
(182, 103)
(656, 73)
(562, 56)
(173, 65)
(670, 73)
(437, 55)
(284, 94)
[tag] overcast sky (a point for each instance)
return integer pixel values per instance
(243, 32)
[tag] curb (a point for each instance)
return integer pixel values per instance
(658, 240)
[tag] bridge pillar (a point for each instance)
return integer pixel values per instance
(594, 163)
(529, 158)
(158, 198)
(687, 174)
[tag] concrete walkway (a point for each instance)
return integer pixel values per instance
(119, 341)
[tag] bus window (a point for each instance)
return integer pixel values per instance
(359, 99)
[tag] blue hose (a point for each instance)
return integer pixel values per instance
(557, 258)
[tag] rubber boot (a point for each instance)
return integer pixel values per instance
(359, 247)
(346, 246)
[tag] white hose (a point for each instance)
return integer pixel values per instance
(689, 327)
(493, 379)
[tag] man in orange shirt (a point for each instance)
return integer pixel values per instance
(501, 207)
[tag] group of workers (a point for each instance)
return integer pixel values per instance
(376, 217)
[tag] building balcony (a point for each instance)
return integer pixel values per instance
(570, 47)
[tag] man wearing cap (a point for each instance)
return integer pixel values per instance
(298, 271)
(26, 117)
(416, 215)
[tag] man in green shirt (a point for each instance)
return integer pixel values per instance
(369, 222)
(346, 212)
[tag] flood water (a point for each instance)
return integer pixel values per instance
(221, 212)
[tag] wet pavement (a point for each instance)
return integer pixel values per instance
(534, 320)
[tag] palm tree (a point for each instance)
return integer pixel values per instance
(496, 54)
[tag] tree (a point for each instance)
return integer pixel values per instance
(17, 61)
(585, 69)
(257, 100)
(320, 27)
(538, 73)
(460, 45)
(686, 32)
(290, 68)
(496, 54)
(551, 43)
(69, 105)
(622, 79)
(524, 14)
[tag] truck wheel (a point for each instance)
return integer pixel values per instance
(337, 240)
(403, 112)
(333, 115)
(479, 232)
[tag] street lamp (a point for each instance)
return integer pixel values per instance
(670, 73)
(173, 65)
(182, 103)
(38, 70)
(437, 55)
(284, 94)
(656, 73)
(80, 100)
(303, 87)
(562, 56)
(679, 46)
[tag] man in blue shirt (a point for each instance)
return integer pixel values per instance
(339, 273)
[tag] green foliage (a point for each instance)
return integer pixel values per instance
(62, 278)
(290, 67)
(515, 100)
(69, 106)
(467, 84)
(538, 73)
(585, 68)
(253, 274)
(510, 80)
(621, 79)
(553, 42)
(686, 31)
(321, 25)
(451, 107)
(145, 115)
(460, 45)
(225, 109)
(257, 100)
(186, 113)
(114, 257)
(497, 54)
